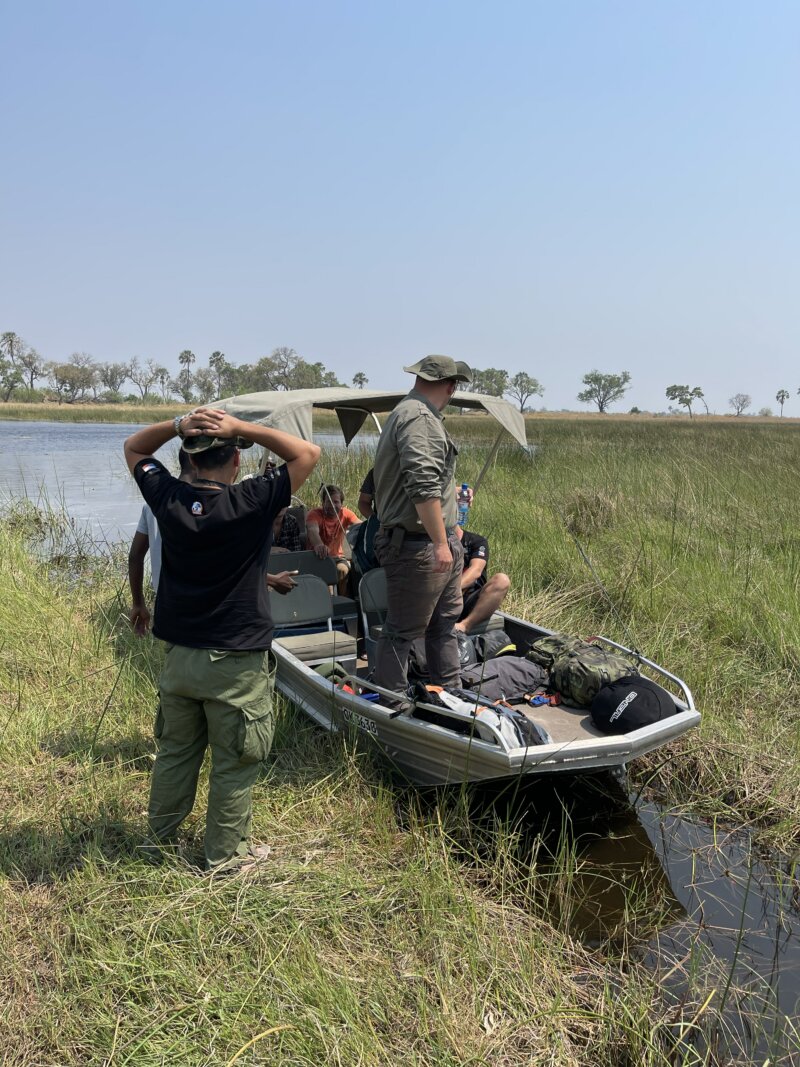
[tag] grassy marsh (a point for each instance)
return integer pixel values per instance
(389, 929)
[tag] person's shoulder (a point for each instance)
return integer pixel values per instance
(149, 467)
(314, 515)
(350, 515)
(476, 543)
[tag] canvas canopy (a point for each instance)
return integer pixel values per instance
(292, 410)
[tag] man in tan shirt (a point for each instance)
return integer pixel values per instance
(416, 544)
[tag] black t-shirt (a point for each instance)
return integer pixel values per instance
(475, 547)
(214, 549)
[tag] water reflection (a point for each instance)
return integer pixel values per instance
(700, 907)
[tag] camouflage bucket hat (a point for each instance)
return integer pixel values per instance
(440, 368)
(202, 443)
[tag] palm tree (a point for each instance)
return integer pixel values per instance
(186, 359)
(782, 396)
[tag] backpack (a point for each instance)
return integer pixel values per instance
(491, 644)
(578, 669)
(363, 549)
(516, 729)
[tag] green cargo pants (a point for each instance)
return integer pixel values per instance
(221, 700)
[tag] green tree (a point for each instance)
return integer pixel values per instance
(489, 382)
(603, 389)
(11, 346)
(684, 396)
(360, 379)
(32, 365)
(740, 402)
(144, 377)
(112, 375)
(205, 385)
(522, 387)
(186, 359)
(70, 381)
(222, 372)
(10, 378)
(782, 396)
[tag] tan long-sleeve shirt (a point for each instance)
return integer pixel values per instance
(415, 461)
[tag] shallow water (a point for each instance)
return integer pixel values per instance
(690, 900)
(79, 468)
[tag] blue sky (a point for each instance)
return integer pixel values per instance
(541, 187)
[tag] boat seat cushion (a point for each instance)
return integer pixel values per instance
(330, 644)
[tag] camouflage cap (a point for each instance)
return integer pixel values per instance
(202, 443)
(440, 368)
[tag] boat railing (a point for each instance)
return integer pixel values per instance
(684, 688)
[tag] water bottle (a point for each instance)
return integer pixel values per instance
(463, 504)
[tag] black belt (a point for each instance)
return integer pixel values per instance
(408, 535)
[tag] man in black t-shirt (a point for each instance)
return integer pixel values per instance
(212, 610)
(482, 597)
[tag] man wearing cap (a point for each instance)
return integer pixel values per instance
(416, 544)
(212, 610)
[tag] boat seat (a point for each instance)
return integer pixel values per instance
(316, 647)
(373, 597)
(303, 621)
(345, 609)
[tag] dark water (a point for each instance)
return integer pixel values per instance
(698, 905)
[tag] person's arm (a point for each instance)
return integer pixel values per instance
(472, 572)
(300, 456)
(282, 582)
(365, 504)
(139, 614)
(315, 542)
(430, 514)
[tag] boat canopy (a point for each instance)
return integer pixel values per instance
(292, 410)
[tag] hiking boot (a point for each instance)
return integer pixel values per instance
(256, 856)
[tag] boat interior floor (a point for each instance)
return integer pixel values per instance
(564, 722)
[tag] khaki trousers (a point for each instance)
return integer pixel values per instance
(420, 601)
(223, 701)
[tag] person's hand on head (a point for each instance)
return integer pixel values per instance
(202, 420)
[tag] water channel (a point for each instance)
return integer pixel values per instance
(716, 905)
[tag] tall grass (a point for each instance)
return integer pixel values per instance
(383, 931)
(391, 927)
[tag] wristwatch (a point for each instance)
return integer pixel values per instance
(176, 422)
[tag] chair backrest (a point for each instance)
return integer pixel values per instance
(306, 563)
(309, 602)
(373, 597)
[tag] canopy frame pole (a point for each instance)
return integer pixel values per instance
(376, 420)
(489, 458)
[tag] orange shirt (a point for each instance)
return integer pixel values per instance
(331, 529)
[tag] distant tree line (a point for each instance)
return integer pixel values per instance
(26, 375)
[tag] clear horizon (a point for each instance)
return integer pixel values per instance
(538, 189)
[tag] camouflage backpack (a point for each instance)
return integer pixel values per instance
(577, 668)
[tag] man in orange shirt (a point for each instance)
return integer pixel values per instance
(326, 527)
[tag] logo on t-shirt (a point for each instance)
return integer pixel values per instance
(147, 467)
(197, 508)
(481, 553)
